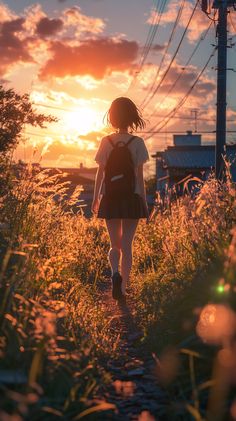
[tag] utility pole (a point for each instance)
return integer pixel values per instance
(194, 113)
(221, 32)
(221, 104)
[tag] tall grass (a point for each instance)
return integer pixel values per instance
(52, 329)
(188, 236)
(184, 291)
(54, 325)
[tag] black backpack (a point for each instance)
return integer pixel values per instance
(119, 170)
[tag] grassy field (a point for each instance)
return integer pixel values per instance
(55, 335)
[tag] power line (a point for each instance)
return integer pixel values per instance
(155, 26)
(147, 42)
(143, 131)
(154, 115)
(50, 134)
(183, 100)
(42, 135)
(201, 38)
(54, 107)
(175, 54)
(166, 50)
(151, 36)
(182, 117)
(183, 132)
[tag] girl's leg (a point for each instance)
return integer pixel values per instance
(128, 231)
(114, 230)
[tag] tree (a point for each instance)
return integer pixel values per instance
(16, 111)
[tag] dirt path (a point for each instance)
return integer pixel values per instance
(134, 389)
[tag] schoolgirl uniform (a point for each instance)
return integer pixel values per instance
(131, 207)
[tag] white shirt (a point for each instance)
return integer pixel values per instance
(137, 147)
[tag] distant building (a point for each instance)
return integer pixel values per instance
(216, 3)
(84, 177)
(188, 158)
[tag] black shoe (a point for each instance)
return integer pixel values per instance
(116, 286)
(122, 301)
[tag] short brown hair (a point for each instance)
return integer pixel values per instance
(123, 114)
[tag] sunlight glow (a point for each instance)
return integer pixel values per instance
(37, 96)
(81, 121)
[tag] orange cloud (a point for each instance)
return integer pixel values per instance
(74, 17)
(24, 39)
(33, 15)
(6, 14)
(95, 57)
(93, 136)
(54, 152)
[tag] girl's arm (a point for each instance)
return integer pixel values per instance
(141, 184)
(97, 188)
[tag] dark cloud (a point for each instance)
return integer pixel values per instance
(95, 57)
(12, 26)
(186, 80)
(157, 47)
(47, 27)
(12, 48)
(205, 86)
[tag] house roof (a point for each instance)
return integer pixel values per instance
(74, 170)
(201, 157)
(83, 176)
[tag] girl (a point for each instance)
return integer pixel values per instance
(121, 214)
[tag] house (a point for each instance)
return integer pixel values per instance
(82, 176)
(186, 159)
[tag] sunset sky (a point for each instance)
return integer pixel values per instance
(75, 57)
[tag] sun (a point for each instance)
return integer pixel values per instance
(82, 121)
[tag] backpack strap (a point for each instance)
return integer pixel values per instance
(111, 141)
(130, 140)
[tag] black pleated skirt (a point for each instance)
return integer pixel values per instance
(121, 208)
